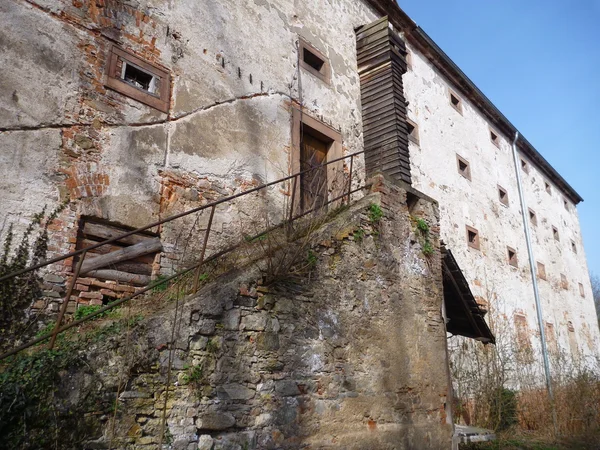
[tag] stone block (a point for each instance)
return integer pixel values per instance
(231, 319)
(235, 391)
(215, 421)
(52, 278)
(267, 341)
(254, 322)
(198, 343)
(207, 327)
(205, 442)
(287, 388)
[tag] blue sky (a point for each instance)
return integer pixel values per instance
(539, 62)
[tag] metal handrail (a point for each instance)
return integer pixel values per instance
(59, 328)
(176, 216)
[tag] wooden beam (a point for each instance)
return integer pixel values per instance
(143, 248)
(108, 232)
(124, 277)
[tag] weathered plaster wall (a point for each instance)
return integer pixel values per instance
(64, 135)
(349, 355)
(443, 133)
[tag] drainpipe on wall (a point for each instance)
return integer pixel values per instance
(536, 292)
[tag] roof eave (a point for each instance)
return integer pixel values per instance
(422, 42)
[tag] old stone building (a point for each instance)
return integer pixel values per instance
(132, 111)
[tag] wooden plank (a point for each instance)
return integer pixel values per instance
(143, 248)
(124, 277)
(108, 232)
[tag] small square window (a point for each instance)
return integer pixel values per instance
(413, 131)
(533, 217)
(455, 101)
(472, 238)
(563, 281)
(502, 195)
(573, 247)
(512, 257)
(524, 166)
(463, 167)
(495, 138)
(555, 234)
(566, 204)
(541, 270)
(138, 79)
(548, 187)
(581, 290)
(313, 61)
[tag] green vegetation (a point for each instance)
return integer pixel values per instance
(18, 293)
(34, 407)
(422, 229)
(311, 258)
(375, 213)
(422, 226)
(358, 234)
(86, 310)
(503, 409)
(212, 346)
(427, 248)
(162, 286)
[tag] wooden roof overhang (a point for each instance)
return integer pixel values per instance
(464, 316)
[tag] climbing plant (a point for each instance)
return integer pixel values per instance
(18, 293)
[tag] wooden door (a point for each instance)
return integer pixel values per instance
(313, 184)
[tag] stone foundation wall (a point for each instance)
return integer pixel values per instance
(351, 354)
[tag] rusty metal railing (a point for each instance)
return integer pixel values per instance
(294, 214)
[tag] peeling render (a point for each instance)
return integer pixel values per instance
(445, 133)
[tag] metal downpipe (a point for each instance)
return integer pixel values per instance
(536, 292)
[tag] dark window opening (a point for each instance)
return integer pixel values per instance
(548, 187)
(411, 201)
(566, 204)
(455, 101)
(573, 247)
(139, 78)
(533, 217)
(503, 195)
(524, 166)
(312, 60)
(494, 138)
(463, 167)
(512, 257)
(473, 238)
(555, 234)
(413, 131)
